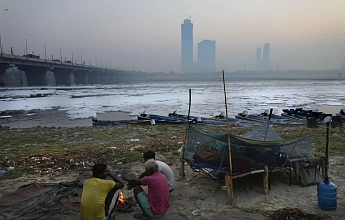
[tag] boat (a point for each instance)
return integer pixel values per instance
(161, 119)
(96, 122)
(318, 117)
(219, 117)
(175, 118)
(272, 118)
(300, 113)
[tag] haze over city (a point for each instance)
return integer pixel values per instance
(146, 35)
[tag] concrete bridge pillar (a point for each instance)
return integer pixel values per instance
(3, 68)
(93, 77)
(119, 77)
(111, 78)
(81, 77)
(122, 77)
(103, 78)
(35, 76)
(63, 76)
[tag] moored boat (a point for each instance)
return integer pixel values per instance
(177, 118)
(96, 122)
(273, 119)
(315, 115)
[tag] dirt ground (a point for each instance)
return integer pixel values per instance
(197, 196)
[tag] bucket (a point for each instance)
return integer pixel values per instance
(327, 195)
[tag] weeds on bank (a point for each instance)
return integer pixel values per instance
(68, 148)
(18, 172)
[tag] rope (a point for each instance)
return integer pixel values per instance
(230, 201)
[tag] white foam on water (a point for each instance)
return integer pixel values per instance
(165, 97)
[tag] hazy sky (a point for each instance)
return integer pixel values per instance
(146, 34)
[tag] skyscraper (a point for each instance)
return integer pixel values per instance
(207, 56)
(266, 57)
(264, 63)
(187, 46)
(258, 59)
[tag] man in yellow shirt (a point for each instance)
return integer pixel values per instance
(99, 195)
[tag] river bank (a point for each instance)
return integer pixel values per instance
(53, 118)
(196, 196)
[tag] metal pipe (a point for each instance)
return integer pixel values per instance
(26, 47)
(60, 56)
(45, 52)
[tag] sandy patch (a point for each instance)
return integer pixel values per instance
(196, 196)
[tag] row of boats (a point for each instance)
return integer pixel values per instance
(289, 117)
(297, 116)
(174, 118)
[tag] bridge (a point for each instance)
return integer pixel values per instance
(36, 70)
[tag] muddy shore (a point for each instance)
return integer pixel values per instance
(53, 118)
(195, 196)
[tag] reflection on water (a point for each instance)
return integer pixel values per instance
(164, 97)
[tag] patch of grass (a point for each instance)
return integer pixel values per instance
(122, 156)
(18, 143)
(44, 149)
(17, 172)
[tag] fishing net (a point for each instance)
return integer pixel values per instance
(264, 132)
(210, 150)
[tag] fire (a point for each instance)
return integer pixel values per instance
(121, 198)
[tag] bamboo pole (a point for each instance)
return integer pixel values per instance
(266, 187)
(228, 178)
(186, 135)
(268, 123)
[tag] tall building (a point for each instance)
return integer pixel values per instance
(187, 46)
(264, 63)
(258, 59)
(207, 56)
(266, 57)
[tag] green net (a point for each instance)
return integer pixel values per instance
(210, 150)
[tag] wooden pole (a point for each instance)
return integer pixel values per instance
(186, 135)
(266, 187)
(228, 178)
(268, 123)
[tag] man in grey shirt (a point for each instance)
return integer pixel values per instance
(162, 167)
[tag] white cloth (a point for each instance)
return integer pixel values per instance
(168, 173)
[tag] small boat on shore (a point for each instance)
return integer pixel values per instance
(174, 118)
(96, 122)
(315, 115)
(219, 117)
(161, 119)
(177, 118)
(273, 119)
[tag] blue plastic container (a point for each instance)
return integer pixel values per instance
(327, 195)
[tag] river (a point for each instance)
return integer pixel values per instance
(161, 98)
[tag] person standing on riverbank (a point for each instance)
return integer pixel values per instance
(99, 195)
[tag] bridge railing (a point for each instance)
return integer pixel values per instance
(47, 61)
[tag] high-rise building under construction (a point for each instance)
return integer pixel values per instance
(187, 46)
(264, 63)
